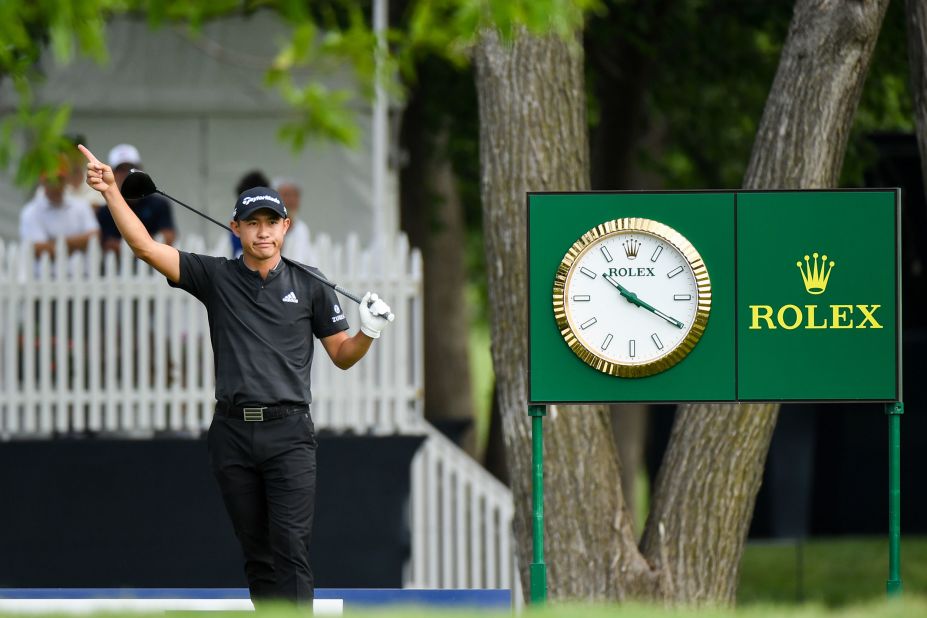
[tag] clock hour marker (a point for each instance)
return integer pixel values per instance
(631, 348)
(587, 272)
(675, 297)
(656, 341)
(674, 272)
(656, 253)
(580, 298)
(607, 341)
(588, 323)
(608, 256)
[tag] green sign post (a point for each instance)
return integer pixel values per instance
(714, 296)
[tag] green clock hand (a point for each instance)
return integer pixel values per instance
(632, 298)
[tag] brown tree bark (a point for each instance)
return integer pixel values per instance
(802, 137)
(432, 216)
(629, 433)
(448, 396)
(916, 25)
(533, 137)
(705, 492)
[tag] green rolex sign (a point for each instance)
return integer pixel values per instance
(714, 296)
(817, 290)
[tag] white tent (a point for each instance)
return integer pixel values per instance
(198, 110)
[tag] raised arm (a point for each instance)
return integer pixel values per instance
(163, 258)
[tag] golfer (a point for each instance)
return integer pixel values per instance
(263, 312)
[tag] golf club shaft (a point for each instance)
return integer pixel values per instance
(191, 208)
(322, 279)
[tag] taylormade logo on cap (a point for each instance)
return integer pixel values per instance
(248, 200)
(256, 199)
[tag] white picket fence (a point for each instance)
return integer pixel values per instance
(461, 522)
(99, 344)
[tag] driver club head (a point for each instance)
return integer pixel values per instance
(137, 184)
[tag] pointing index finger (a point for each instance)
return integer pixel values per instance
(88, 154)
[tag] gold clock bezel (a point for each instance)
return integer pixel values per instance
(664, 233)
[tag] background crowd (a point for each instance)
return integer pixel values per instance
(64, 206)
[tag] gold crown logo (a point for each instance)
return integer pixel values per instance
(815, 273)
(630, 248)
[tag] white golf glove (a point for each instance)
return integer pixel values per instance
(374, 315)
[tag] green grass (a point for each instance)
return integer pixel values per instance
(839, 578)
(831, 572)
(907, 608)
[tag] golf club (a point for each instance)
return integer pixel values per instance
(139, 184)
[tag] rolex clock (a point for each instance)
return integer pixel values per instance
(632, 297)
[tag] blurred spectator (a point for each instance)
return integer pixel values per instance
(53, 214)
(252, 179)
(76, 183)
(153, 210)
(296, 245)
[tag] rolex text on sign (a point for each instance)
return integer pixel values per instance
(790, 317)
(817, 309)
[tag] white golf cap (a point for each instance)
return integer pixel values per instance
(124, 153)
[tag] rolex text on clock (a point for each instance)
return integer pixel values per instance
(632, 297)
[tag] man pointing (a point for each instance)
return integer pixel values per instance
(263, 313)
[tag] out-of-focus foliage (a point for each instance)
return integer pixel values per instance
(887, 104)
(329, 38)
(450, 27)
(450, 110)
(27, 28)
(713, 64)
(326, 36)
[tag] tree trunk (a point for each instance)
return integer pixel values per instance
(916, 23)
(448, 396)
(629, 433)
(533, 138)
(803, 134)
(432, 216)
(707, 485)
(625, 72)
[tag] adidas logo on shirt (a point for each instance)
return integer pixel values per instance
(290, 298)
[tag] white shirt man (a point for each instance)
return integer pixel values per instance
(54, 214)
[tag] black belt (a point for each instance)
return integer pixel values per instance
(258, 412)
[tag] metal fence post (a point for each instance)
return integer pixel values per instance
(894, 412)
(538, 568)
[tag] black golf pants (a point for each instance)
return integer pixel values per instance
(266, 471)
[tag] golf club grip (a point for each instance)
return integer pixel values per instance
(343, 291)
(389, 316)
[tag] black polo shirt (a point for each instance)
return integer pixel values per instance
(261, 329)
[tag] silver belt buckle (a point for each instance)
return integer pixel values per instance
(253, 414)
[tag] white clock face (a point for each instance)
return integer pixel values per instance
(635, 302)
